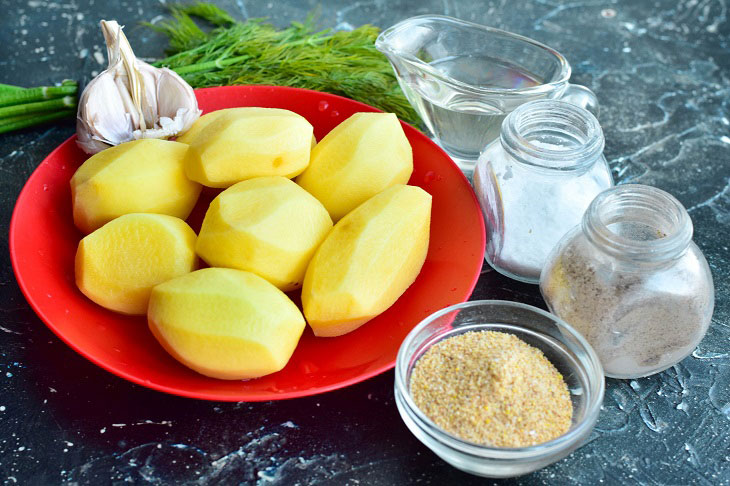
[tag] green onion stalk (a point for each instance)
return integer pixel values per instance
(26, 107)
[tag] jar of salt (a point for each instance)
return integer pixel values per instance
(632, 282)
(535, 182)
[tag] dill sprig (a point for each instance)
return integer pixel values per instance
(255, 52)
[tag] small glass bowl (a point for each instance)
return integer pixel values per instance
(564, 347)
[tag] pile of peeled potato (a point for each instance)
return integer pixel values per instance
(347, 231)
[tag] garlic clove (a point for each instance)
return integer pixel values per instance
(85, 140)
(151, 94)
(127, 101)
(178, 94)
(100, 113)
(131, 99)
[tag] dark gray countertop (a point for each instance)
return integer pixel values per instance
(661, 70)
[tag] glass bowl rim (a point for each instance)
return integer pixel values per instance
(508, 453)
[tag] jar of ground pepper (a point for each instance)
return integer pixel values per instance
(632, 282)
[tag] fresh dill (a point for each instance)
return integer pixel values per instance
(255, 52)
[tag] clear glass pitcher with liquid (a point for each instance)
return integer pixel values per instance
(463, 79)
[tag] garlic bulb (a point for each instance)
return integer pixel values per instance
(131, 99)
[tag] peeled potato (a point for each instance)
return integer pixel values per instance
(118, 264)
(367, 261)
(360, 157)
(244, 143)
(268, 225)
(225, 323)
(142, 176)
(201, 123)
(209, 118)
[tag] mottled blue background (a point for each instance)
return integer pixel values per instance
(660, 70)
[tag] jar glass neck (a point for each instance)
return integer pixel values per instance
(638, 223)
(553, 135)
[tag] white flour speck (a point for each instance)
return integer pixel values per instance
(150, 422)
(99, 57)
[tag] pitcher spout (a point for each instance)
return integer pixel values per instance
(403, 41)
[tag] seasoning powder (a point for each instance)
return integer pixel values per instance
(636, 325)
(492, 388)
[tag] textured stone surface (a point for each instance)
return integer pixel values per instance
(661, 72)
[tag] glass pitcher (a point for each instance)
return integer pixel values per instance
(463, 79)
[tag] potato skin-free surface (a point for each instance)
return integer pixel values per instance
(118, 264)
(360, 157)
(268, 225)
(201, 123)
(225, 323)
(142, 176)
(367, 261)
(244, 143)
(209, 118)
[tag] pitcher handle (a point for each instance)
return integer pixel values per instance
(578, 95)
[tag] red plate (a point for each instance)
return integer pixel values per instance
(43, 242)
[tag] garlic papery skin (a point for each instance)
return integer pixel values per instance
(131, 99)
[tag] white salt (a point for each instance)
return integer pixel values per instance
(538, 207)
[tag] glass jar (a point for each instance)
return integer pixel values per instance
(632, 282)
(535, 182)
